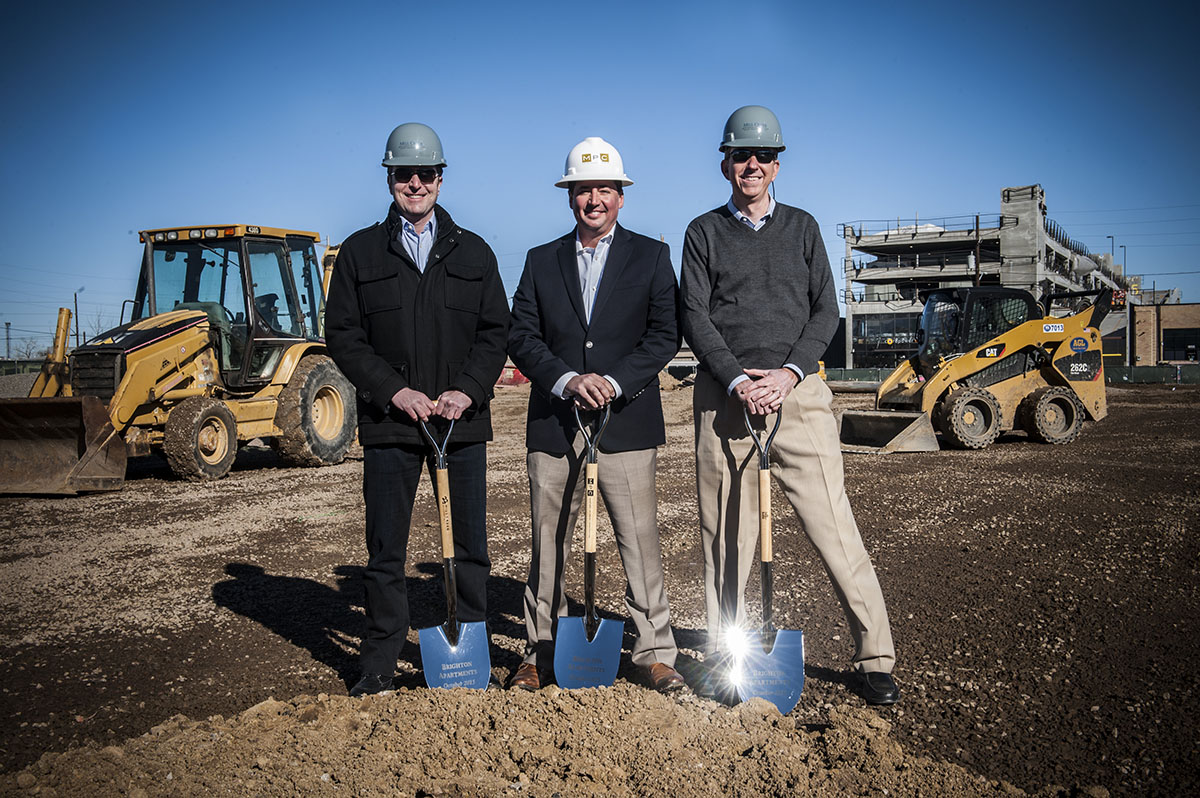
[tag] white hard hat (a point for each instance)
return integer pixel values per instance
(593, 159)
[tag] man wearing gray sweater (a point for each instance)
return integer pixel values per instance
(759, 309)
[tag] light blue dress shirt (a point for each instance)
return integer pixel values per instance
(417, 245)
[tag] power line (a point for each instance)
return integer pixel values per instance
(1140, 221)
(1160, 274)
(1130, 210)
(1150, 235)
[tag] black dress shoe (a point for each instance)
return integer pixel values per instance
(371, 684)
(879, 688)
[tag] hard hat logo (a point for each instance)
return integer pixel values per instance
(752, 126)
(413, 144)
(593, 159)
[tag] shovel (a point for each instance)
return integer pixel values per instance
(773, 667)
(455, 654)
(587, 650)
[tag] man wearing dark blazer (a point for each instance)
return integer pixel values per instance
(594, 321)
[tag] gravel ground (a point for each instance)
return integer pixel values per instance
(186, 639)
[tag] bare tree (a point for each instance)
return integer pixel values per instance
(29, 348)
(97, 323)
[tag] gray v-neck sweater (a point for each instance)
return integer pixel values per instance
(756, 299)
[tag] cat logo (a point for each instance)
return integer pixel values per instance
(992, 351)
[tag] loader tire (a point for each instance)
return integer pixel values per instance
(970, 418)
(200, 439)
(1051, 415)
(316, 414)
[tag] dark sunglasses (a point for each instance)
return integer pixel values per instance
(762, 156)
(403, 174)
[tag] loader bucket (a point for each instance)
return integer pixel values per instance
(887, 431)
(63, 446)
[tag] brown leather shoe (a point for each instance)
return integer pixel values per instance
(526, 677)
(664, 678)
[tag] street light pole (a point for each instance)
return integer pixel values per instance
(1128, 308)
(1110, 246)
(76, 297)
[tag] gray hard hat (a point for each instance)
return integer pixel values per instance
(413, 144)
(752, 126)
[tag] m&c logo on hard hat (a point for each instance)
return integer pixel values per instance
(1079, 344)
(587, 157)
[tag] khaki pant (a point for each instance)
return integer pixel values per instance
(806, 461)
(626, 483)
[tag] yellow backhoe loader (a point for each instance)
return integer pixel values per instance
(225, 344)
(991, 360)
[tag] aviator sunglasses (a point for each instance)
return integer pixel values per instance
(403, 174)
(762, 156)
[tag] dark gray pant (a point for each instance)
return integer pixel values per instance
(390, 477)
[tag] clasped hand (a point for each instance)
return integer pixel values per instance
(766, 389)
(450, 405)
(591, 391)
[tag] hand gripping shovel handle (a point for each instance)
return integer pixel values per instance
(765, 546)
(442, 476)
(591, 439)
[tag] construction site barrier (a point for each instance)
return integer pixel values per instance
(1178, 374)
(1188, 374)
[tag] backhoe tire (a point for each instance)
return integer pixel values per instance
(316, 414)
(970, 418)
(1051, 415)
(200, 439)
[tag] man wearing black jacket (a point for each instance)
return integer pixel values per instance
(594, 321)
(417, 320)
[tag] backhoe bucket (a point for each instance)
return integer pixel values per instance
(887, 431)
(63, 446)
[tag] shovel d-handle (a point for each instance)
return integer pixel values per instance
(591, 438)
(442, 483)
(766, 550)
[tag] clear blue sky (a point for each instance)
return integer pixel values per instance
(123, 117)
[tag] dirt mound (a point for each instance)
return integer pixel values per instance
(620, 741)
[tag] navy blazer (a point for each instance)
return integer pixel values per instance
(633, 334)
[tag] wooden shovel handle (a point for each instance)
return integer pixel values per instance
(443, 501)
(764, 515)
(589, 508)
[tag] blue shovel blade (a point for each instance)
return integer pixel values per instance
(469, 664)
(580, 663)
(777, 676)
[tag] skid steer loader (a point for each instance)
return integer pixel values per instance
(990, 360)
(225, 345)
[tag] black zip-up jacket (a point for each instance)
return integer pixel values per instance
(388, 326)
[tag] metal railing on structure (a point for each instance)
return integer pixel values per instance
(1058, 234)
(859, 297)
(917, 226)
(939, 261)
